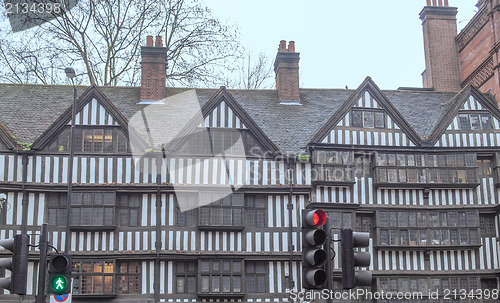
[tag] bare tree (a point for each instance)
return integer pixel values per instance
(102, 39)
(252, 72)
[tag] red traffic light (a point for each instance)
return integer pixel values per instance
(315, 218)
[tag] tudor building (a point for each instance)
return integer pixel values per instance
(151, 216)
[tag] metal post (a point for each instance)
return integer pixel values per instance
(290, 213)
(330, 256)
(42, 266)
(70, 172)
(158, 243)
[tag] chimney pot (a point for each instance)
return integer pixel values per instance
(291, 46)
(159, 42)
(282, 47)
(149, 41)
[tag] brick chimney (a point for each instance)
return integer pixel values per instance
(442, 67)
(286, 67)
(153, 66)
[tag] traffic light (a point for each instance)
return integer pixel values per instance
(60, 274)
(313, 255)
(350, 259)
(17, 264)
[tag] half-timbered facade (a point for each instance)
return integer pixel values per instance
(212, 213)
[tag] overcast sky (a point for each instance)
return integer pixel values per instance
(340, 41)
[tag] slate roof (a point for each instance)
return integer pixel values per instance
(27, 111)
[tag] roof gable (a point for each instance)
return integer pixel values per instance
(93, 108)
(367, 118)
(471, 121)
(222, 111)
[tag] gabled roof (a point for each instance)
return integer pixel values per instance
(371, 87)
(452, 107)
(222, 95)
(27, 111)
(88, 95)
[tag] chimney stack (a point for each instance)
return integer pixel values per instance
(286, 67)
(153, 66)
(442, 67)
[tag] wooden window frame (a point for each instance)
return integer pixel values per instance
(422, 233)
(219, 273)
(257, 276)
(81, 275)
(187, 274)
(126, 277)
(368, 116)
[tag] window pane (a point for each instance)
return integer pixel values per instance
(98, 218)
(486, 121)
(236, 283)
(215, 216)
(474, 121)
(379, 120)
(215, 284)
(226, 283)
(261, 284)
(237, 266)
(205, 284)
(180, 284)
(191, 284)
(368, 119)
(356, 118)
(464, 121)
(226, 216)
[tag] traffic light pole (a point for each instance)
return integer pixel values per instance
(42, 266)
(330, 257)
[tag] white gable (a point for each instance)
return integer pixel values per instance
(345, 133)
(455, 136)
(93, 113)
(223, 116)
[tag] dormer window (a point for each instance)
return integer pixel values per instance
(367, 118)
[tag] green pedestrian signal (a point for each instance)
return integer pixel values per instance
(59, 281)
(58, 284)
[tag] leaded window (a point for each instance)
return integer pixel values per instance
(255, 209)
(227, 210)
(87, 209)
(485, 166)
(367, 118)
(93, 209)
(411, 168)
(104, 139)
(93, 277)
(186, 273)
(364, 223)
(220, 276)
(475, 121)
(334, 166)
(128, 209)
(487, 223)
(255, 274)
(129, 278)
(422, 228)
